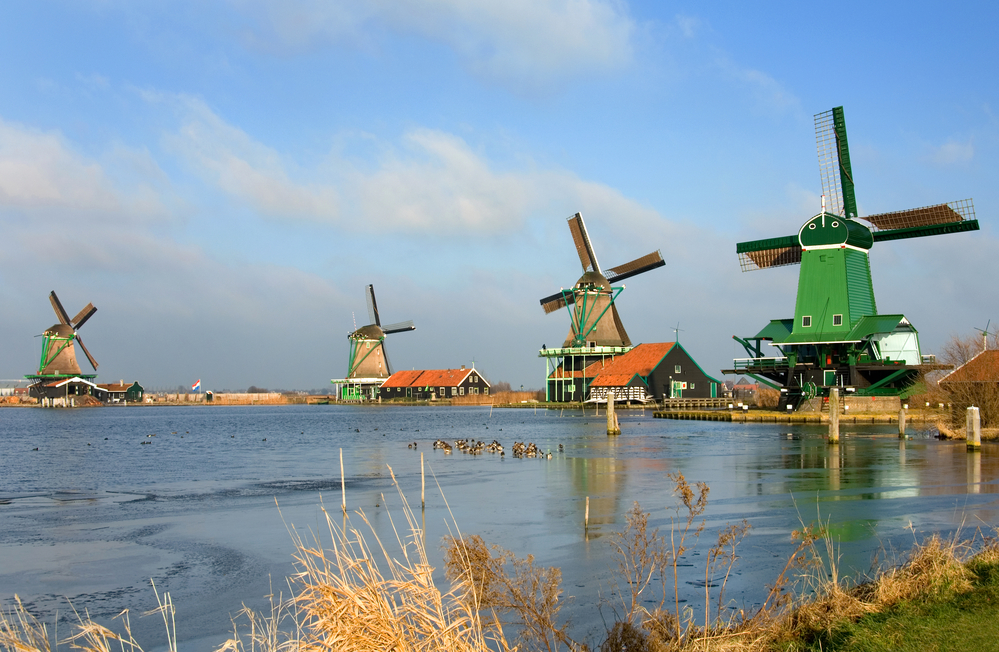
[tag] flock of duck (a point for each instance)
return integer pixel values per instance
(473, 447)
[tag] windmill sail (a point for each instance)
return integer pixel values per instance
(583, 246)
(636, 267)
(372, 305)
(834, 162)
(399, 327)
(770, 252)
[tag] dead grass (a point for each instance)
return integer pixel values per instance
(352, 594)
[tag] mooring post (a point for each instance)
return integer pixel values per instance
(901, 423)
(586, 516)
(343, 488)
(612, 425)
(834, 415)
(974, 429)
(423, 485)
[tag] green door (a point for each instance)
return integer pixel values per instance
(829, 377)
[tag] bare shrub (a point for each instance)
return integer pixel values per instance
(767, 397)
(527, 592)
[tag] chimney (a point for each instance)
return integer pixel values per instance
(462, 367)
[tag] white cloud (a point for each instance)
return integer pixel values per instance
(247, 169)
(953, 153)
(522, 43)
(40, 171)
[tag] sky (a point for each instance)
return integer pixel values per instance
(223, 179)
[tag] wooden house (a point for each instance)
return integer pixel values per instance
(434, 384)
(653, 372)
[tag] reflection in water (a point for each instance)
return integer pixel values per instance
(185, 504)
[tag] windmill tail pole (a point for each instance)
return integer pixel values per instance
(613, 428)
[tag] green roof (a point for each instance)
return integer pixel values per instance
(777, 330)
(865, 328)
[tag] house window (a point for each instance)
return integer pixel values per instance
(475, 390)
(837, 320)
(461, 390)
(806, 321)
(676, 369)
(442, 391)
(368, 345)
(691, 385)
(485, 391)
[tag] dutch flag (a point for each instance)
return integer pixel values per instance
(196, 386)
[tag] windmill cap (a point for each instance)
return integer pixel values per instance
(370, 332)
(593, 279)
(60, 330)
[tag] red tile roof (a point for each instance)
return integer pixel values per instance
(614, 380)
(442, 377)
(982, 368)
(430, 378)
(640, 360)
(591, 371)
(403, 378)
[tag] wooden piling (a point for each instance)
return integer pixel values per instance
(423, 485)
(834, 415)
(613, 428)
(586, 517)
(901, 423)
(343, 487)
(974, 429)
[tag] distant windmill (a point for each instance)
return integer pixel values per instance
(58, 358)
(837, 337)
(368, 358)
(985, 335)
(595, 320)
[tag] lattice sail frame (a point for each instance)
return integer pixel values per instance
(829, 148)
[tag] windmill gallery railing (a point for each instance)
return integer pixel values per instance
(760, 363)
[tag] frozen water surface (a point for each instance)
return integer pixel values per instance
(186, 496)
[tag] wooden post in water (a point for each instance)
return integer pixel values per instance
(586, 517)
(901, 423)
(343, 488)
(834, 415)
(423, 485)
(612, 425)
(974, 429)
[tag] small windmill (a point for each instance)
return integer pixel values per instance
(837, 336)
(58, 359)
(368, 359)
(594, 317)
(985, 335)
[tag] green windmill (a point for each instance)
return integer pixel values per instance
(837, 338)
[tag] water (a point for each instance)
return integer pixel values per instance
(95, 512)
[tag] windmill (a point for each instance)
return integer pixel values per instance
(368, 363)
(595, 320)
(985, 335)
(837, 337)
(595, 328)
(58, 358)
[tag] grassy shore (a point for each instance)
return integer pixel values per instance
(356, 592)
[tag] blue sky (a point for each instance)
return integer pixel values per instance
(222, 179)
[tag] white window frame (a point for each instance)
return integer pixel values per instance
(676, 369)
(806, 321)
(837, 320)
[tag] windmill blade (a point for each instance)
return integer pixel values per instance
(636, 267)
(583, 245)
(557, 302)
(59, 310)
(372, 306)
(772, 252)
(834, 162)
(388, 364)
(93, 363)
(82, 316)
(955, 211)
(399, 327)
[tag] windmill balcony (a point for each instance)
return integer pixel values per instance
(760, 363)
(583, 350)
